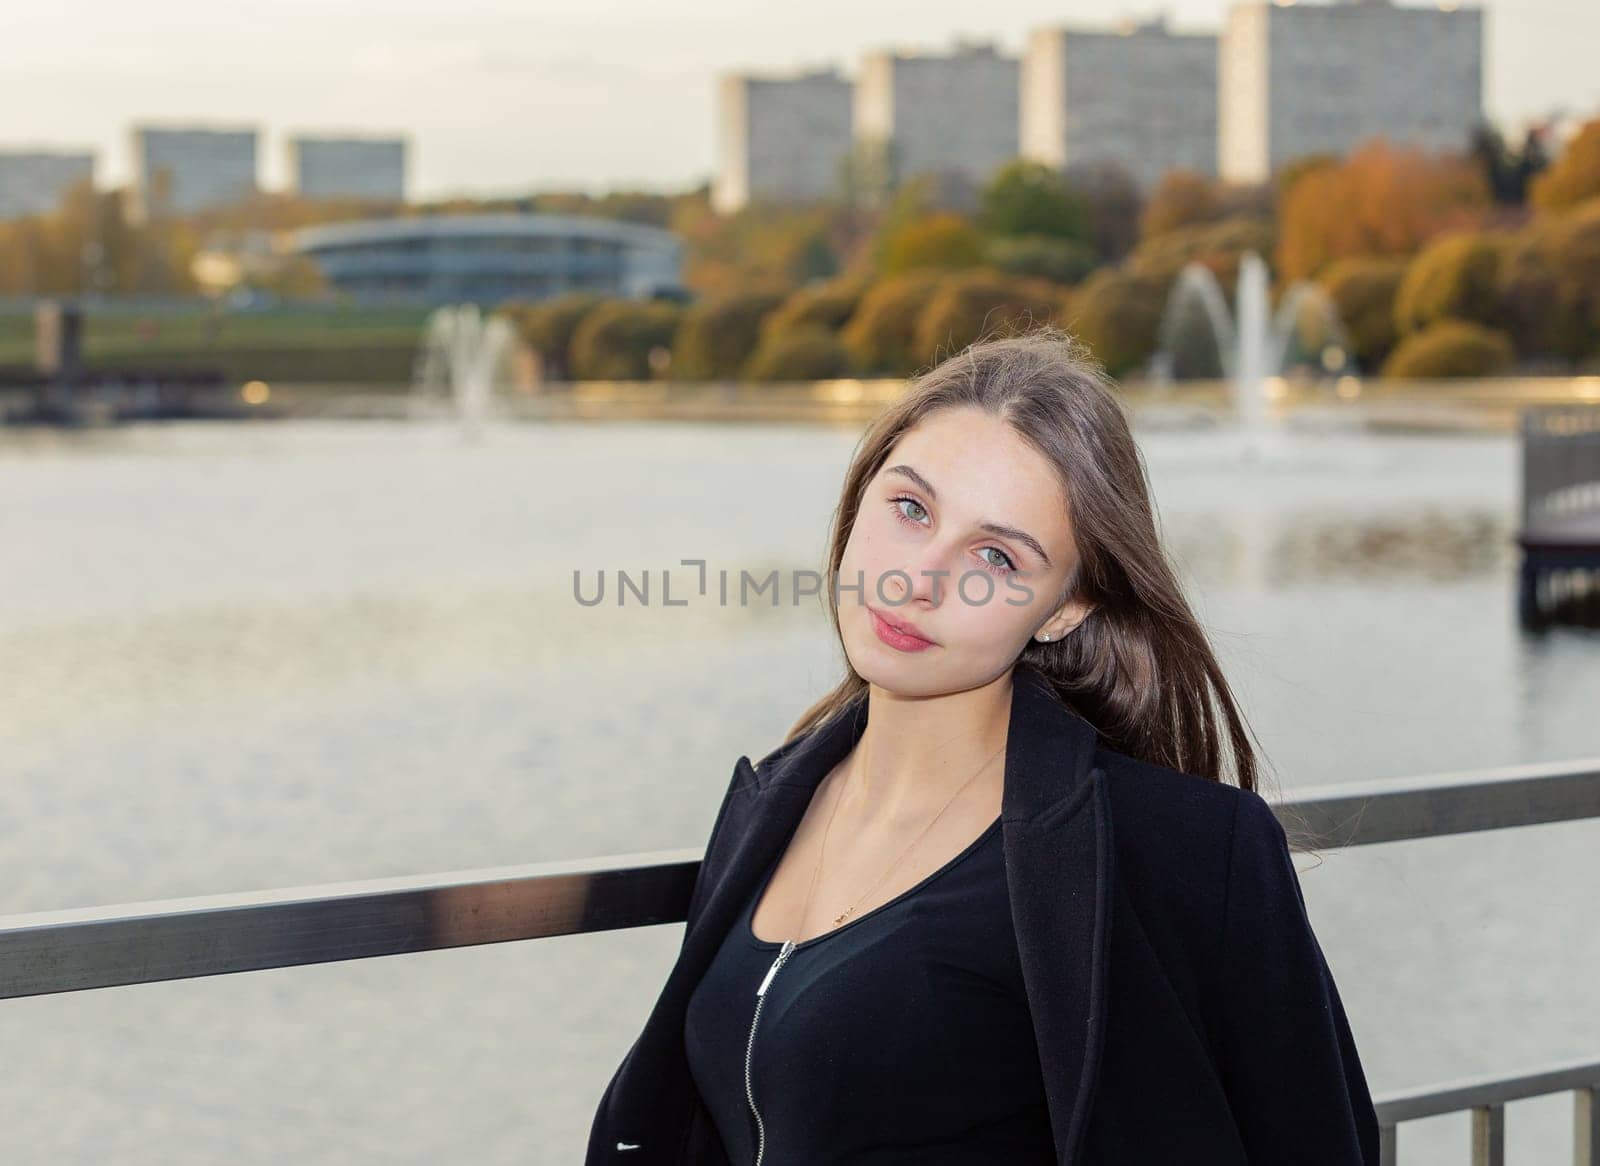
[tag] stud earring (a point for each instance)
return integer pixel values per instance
(1046, 636)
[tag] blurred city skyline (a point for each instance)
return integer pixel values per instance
(498, 98)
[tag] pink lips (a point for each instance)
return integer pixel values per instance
(897, 633)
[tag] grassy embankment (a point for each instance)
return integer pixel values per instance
(280, 345)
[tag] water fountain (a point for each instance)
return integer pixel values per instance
(463, 358)
(1252, 341)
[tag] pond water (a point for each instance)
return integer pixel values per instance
(264, 655)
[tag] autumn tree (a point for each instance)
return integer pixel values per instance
(805, 352)
(763, 242)
(942, 239)
(1118, 314)
(1450, 349)
(1549, 284)
(827, 304)
(617, 340)
(1363, 288)
(971, 304)
(1065, 261)
(718, 335)
(546, 326)
(1181, 198)
(881, 334)
(1219, 246)
(1455, 277)
(1575, 175)
(1381, 200)
(1114, 201)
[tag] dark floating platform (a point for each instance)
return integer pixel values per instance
(1560, 531)
(111, 396)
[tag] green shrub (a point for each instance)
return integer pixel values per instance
(1549, 285)
(1451, 348)
(942, 240)
(881, 334)
(804, 353)
(1065, 261)
(1118, 314)
(1027, 198)
(972, 304)
(1363, 289)
(827, 305)
(1453, 278)
(614, 341)
(546, 326)
(719, 335)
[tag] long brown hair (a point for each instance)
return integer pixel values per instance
(1139, 667)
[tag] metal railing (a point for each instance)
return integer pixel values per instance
(1486, 1098)
(140, 943)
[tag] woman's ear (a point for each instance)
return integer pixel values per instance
(1068, 616)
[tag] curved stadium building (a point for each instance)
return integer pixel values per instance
(489, 258)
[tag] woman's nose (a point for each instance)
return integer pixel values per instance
(927, 579)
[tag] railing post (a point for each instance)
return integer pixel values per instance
(1488, 1135)
(1586, 1127)
(1388, 1145)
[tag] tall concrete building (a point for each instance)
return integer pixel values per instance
(783, 138)
(1320, 78)
(179, 169)
(32, 182)
(1138, 95)
(951, 113)
(348, 167)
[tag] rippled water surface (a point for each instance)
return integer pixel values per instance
(254, 656)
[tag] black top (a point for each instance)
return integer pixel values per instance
(903, 1035)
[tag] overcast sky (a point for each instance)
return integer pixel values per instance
(513, 95)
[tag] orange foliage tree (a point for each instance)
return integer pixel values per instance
(1182, 198)
(1381, 200)
(1575, 175)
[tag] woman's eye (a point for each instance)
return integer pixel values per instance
(901, 503)
(1005, 563)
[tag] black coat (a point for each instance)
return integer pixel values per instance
(1183, 1008)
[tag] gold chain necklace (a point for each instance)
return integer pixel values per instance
(840, 918)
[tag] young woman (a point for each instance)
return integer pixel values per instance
(992, 900)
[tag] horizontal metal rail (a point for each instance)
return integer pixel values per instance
(1486, 1098)
(1398, 809)
(172, 939)
(141, 943)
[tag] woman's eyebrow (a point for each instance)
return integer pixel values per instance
(999, 528)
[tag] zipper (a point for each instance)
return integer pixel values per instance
(761, 998)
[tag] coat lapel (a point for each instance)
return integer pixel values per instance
(1056, 837)
(764, 811)
(1058, 855)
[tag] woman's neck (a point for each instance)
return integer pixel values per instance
(916, 752)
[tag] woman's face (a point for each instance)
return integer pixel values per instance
(964, 540)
